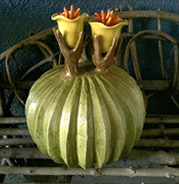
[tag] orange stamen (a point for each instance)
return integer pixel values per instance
(108, 19)
(103, 16)
(66, 12)
(98, 16)
(116, 21)
(77, 13)
(108, 22)
(107, 16)
(111, 13)
(72, 13)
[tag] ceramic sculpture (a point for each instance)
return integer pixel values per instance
(85, 114)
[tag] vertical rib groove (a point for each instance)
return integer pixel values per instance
(38, 110)
(52, 120)
(68, 125)
(102, 129)
(117, 120)
(85, 127)
(122, 97)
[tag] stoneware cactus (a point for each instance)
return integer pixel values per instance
(85, 115)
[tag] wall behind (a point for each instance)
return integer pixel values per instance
(20, 17)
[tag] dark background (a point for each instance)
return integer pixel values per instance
(18, 18)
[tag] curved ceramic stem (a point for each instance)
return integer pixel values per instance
(70, 69)
(101, 62)
(71, 56)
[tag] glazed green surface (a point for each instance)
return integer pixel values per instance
(89, 120)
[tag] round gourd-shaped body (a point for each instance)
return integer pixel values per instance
(88, 120)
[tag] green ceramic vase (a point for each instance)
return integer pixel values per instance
(88, 120)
